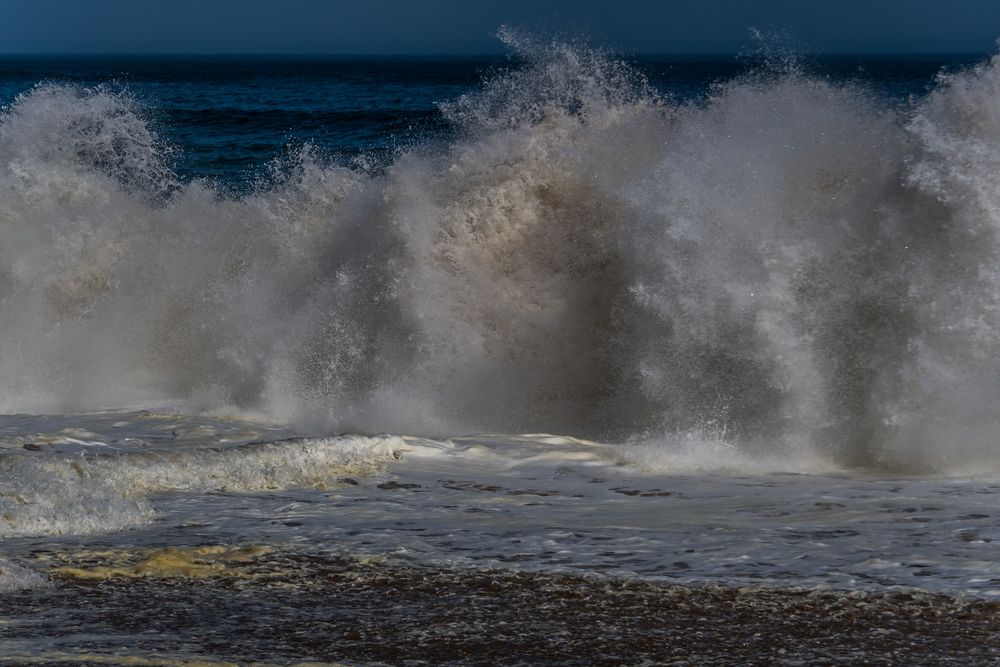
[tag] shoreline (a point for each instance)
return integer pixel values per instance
(287, 608)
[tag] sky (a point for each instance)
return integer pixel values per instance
(469, 26)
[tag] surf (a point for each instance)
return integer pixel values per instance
(791, 269)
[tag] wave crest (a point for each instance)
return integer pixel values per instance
(789, 261)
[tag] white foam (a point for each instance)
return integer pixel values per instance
(704, 451)
(14, 577)
(52, 494)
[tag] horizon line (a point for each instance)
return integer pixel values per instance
(470, 54)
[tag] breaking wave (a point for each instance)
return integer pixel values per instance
(50, 495)
(790, 266)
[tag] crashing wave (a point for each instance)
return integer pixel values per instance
(790, 262)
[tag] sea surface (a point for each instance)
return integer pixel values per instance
(561, 357)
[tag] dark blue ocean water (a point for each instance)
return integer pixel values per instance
(231, 116)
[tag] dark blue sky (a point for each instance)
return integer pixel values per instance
(456, 26)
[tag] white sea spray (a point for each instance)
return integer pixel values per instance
(790, 262)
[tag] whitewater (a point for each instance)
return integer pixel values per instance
(592, 334)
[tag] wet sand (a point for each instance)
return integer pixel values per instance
(284, 608)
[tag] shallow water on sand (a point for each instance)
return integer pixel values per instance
(201, 512)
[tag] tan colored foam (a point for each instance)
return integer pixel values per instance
(192, 563)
